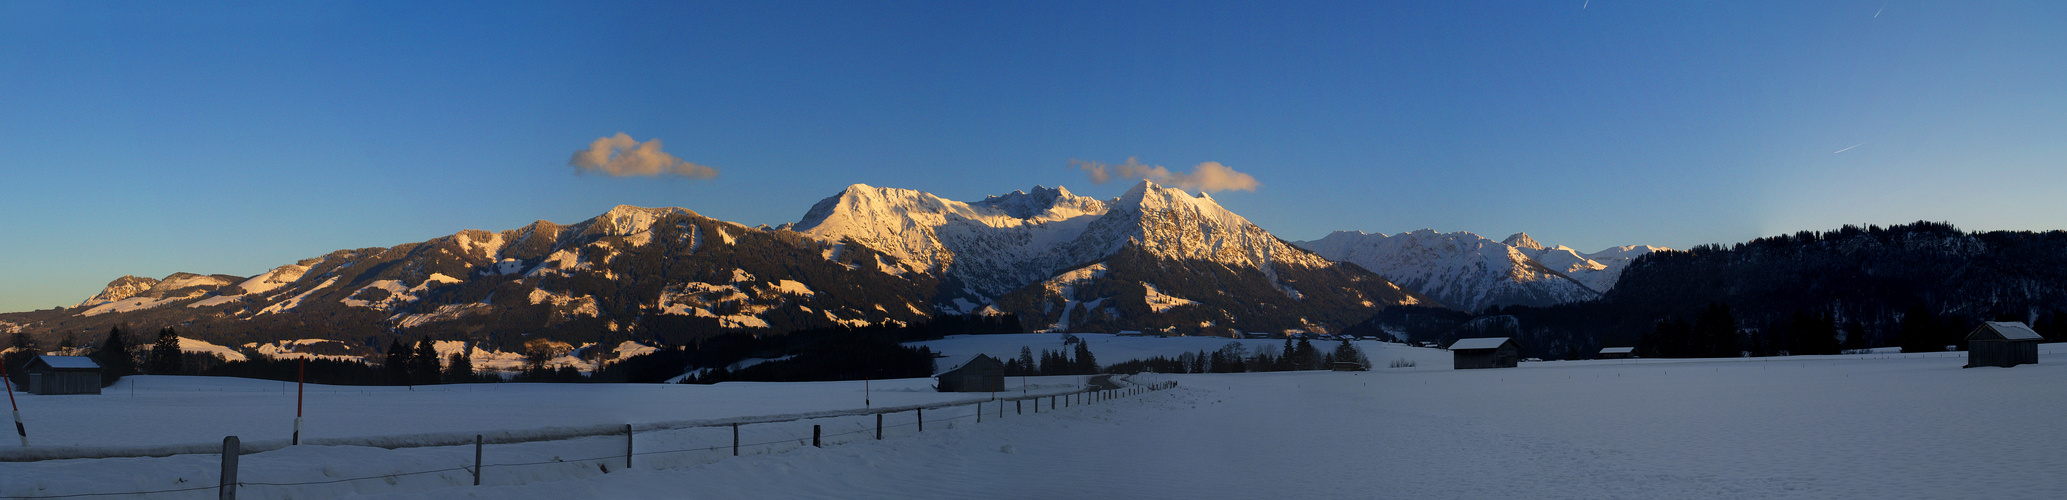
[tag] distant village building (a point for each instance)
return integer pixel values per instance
(1258, 335)
(2002, 343)
(979, 373)
(1495, 352)
(1617, 352)
(1348, 366)
(63, 375)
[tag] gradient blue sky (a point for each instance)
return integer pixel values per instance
(155, 138)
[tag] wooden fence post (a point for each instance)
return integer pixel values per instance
(814, 436)
(735, 440)
(979, 412)
(228, 486)
(477, 460)
(879, 427)
(1019, 407)
(627, 446)
(922, 420)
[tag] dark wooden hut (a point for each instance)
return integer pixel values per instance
(63, 375)
(980, 373)
(1617, 352)
(2002, 343)
(1495, 352)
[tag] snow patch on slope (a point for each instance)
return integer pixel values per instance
(198, 346)
(1159, 302)
(274, 279)
(127, 305)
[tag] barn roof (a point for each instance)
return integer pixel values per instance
(1617, 350)
(1484, 343)
(70, 362)
(2008, 330)
(953, 363)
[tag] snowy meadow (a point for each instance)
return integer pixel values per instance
(1854, 426)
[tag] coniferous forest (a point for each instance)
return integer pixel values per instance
(1919, 286)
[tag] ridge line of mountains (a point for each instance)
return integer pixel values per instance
(1154, 259)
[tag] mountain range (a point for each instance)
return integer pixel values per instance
(1154, 258)
(1469, 272)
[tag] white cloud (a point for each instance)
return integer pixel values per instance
(1208, 176)
(622, 156)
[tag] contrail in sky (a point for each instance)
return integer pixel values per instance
(1876, 14)
(1582, 6)
(1848, 149)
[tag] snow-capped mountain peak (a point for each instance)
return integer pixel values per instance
(121, 288)
(1172, 223)
(1461, 269)
(1522, 241)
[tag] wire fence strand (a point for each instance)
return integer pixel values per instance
(976, 414)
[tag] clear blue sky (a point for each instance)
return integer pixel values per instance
(155, 138)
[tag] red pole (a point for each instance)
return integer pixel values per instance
(10, 387)
(301, 375)
(8, 383)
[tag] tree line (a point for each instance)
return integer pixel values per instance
(1920, 287)
(1237, 358)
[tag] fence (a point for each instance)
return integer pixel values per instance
(656, 445)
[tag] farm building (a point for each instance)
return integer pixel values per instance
(63, 375)
(1495, 352)
(979, 373)
(1617, 352)
(2002, 343)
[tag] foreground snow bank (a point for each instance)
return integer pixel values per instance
(1882, 426)
(1835, 427)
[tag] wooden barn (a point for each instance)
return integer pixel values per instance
(979, 373)
(2002, 343)
(63, 375)
(1617, 352)
(1495, 352)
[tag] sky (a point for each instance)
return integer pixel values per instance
(158, 137)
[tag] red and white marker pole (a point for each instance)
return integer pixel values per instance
(301, 374)
(8, 383)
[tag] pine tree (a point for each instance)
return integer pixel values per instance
(1287, 359)
(1920, 331)
(68, 342)
(397, 364)
(1814, 334)
(1305, 357)
(460, 368)
(425, 362)
(166, 358)
(1855, 336)
(1229, 359)
(1347, 352)
(1086, 364)
(114, 357)
(1670, 338)
(21, 341)
(1026, 363)
(1715, 333)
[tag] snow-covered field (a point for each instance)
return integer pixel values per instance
(1872, 426)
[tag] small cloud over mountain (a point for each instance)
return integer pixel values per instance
(1208, 176)
(622, 156)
